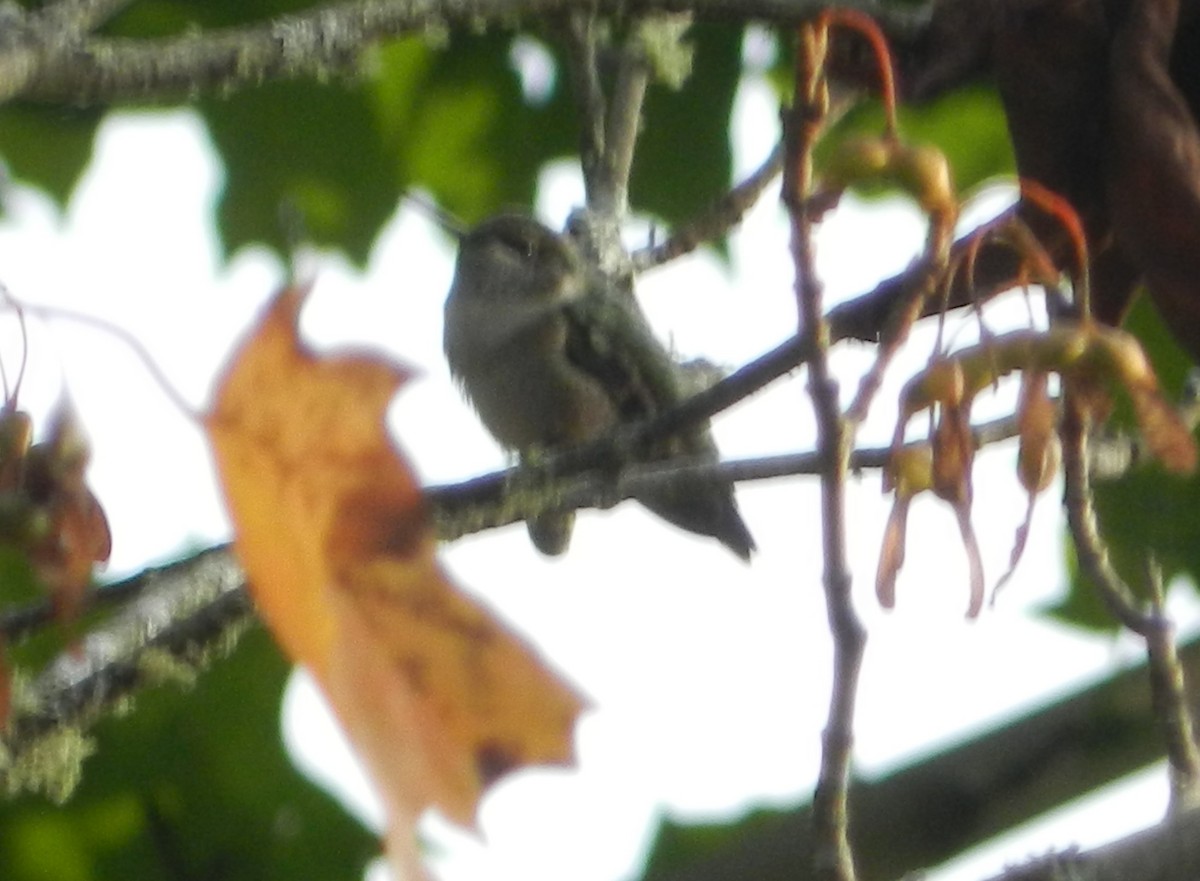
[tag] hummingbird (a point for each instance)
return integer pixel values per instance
(548, 358)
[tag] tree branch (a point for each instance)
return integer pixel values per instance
(314, 42)
(73, 18)
(1090, 550)
(1169, 851)
(505, 497)
(582, 63)
(967, 793)
(945, 804)
(833, 857)
(187, 614)
(1167, 684)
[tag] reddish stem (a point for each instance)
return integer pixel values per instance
(863, 24)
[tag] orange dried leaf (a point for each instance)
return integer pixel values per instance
(438, 697)
(71, 533)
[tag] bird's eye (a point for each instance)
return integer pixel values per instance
(523, 246)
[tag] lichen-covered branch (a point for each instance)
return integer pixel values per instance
(504, 497)
(186, 615)
(40, 63)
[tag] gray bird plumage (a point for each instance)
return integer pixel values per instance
(548, 359)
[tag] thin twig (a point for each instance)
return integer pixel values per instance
(1166, 676)
(926, 277)
(997, 268)
(1081, 520)
(488, 502)
(597, 227)
(1168, 691)
(725, 214)
(583, 65)
(833, 857)
(621, 127)
(504, 497)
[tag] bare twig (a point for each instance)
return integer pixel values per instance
(926, 276)
(503, 497)
(725, 214)
(996, 268)
(610, 130)
(105, 70)
(833, 858)
(1167, 684)
(582, 63)
(1168, 691)
(1081, 520)
(610, 192)
(494, 500)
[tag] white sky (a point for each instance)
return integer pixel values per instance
(710, 678)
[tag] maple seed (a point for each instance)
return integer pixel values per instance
(909, 471)
(923, 171)
(891, 553)
(1038, 450)
(858, 159)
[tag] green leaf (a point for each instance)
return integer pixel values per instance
(194, 784)
(678, 846)
(47, 147)
(303, 162)
(462, 127)
(684, 160)
(19, 584)
(333, 159)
